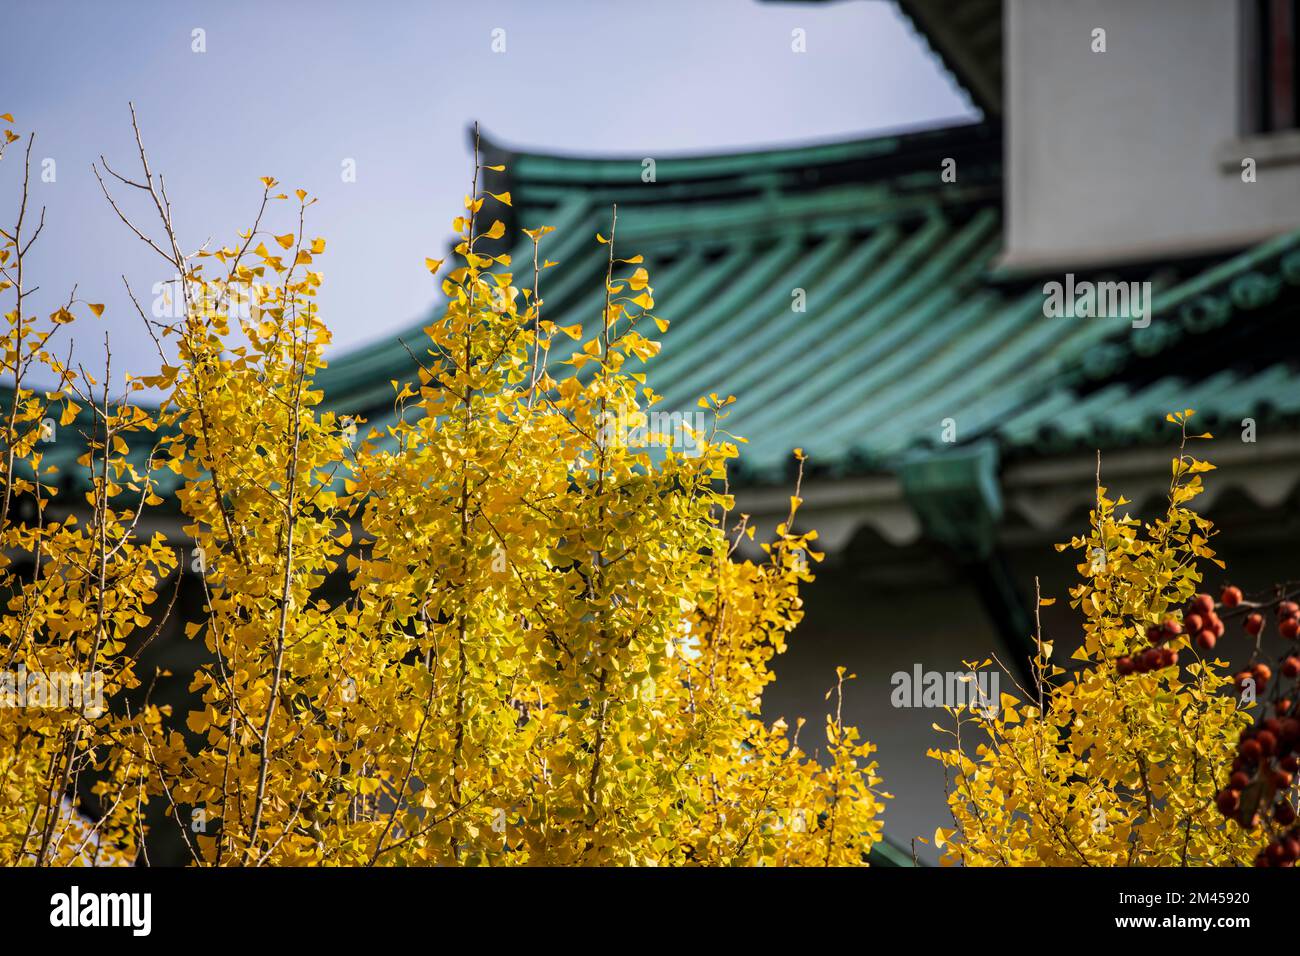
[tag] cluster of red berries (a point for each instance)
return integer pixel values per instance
(1288, 620)
(1260, 673)
(1268, 755)
(1200, 622)
(1153, 658)
(1283, 849)
(1204, 622)
(1267, 760)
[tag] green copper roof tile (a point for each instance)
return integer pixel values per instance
(752, 330)
(903, 330)
(876, 322)
(906, 322)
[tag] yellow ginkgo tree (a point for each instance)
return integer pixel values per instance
(1116, 756)
(78, 594)
(508, 626)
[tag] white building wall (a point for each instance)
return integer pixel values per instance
(1134, 153)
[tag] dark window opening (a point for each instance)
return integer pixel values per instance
(1274, 67)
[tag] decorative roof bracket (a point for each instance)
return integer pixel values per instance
(956, 494)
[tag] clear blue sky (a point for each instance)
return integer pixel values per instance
(291, 89)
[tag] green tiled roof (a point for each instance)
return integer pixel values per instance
(1218, 342)
(905, 323)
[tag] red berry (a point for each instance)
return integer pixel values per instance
(1194, 623)
(1284, 814)
(1203, 603)
(1254, 624)
(1290, 763)
(1267, 742)
(1250, 750)
(1239, 781)
(1291, 846)
(1289, 627)
(1288, 609)
(1124, 666)
(1231, 596)
(1261, 673)
(1291, 666)
(1206, 639)
(1228, 801)
(1215, 623)
(1171, 627)
(1281, 779)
